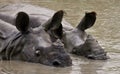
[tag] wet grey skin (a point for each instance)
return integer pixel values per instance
(21, 42)
(80, 43)
(75, 40)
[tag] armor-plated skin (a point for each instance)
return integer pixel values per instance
(22, 42)
(75, 40)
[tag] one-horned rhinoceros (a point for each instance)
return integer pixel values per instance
(75, 40)
(22, 42)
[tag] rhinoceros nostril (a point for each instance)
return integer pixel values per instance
(56, 63)
(91, 57)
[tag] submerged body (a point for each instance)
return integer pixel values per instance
(22, 42)
(75, 40)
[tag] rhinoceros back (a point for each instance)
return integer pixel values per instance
(6, 33)
(38, 15)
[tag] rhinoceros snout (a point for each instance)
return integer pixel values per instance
(102, 56)
(62, 61)
(56, 63)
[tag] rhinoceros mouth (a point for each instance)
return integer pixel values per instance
(99, 56)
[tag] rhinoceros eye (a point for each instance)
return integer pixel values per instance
(37, 52)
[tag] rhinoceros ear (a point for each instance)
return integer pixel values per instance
(54, 25)
(22, 22)
(87, 21)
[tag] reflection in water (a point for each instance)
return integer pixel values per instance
(13, 67)
(85, 66)
(106, 31)
(80, 67)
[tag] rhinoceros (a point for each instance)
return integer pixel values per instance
(75, 40)
(22, 42)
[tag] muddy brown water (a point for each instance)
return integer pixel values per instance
(106, 30)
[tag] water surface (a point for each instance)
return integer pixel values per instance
(106, 30)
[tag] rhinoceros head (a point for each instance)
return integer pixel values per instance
(79, 42)
(36, 45)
